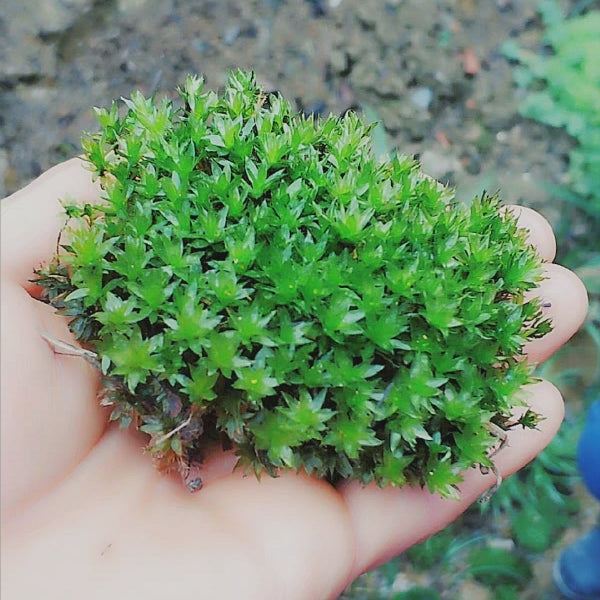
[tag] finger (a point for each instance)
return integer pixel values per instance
(33, 217)
(387, 521)
(50, 415)
(539, 231)
(565, 302)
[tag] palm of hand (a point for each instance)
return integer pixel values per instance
(86, 514)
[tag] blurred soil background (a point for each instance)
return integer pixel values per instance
(431, 71)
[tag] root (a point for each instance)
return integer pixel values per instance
(498, 432)
(483, 499)
(501, 434)
(66, 349)
(171, 433)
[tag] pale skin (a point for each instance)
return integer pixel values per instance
(86, 515)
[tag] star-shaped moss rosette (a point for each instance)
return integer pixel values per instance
(256, 278)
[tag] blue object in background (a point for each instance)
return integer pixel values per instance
(588, 450)
(577, 569)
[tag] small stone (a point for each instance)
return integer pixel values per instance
(439, 165)
(194, 485)
(231, 34)
(131, 6)
(473, 132)
(422, 97)
(471, 62)
(366, 15)
(24, 42)
(339, 61)
(502, 543)
(318, 8)
(473, 590)
(56, 16)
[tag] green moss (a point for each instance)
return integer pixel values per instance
(255, 277)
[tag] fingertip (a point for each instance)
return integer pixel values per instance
(539, 231)
(72, 174)
(565, 302)
(388, 521)
(33, 217)
(524, 444)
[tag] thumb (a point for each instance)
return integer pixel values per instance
(33, 217)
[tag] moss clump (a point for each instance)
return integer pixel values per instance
(257, 279)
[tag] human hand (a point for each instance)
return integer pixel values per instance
(85, 514)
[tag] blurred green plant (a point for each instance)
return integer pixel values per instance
(436, 550)
(565, 92)
(499, 567)
(418, 593)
